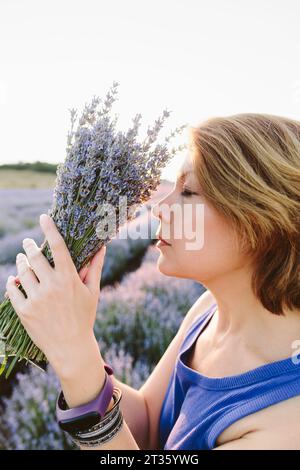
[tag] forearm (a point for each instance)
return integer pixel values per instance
(134, 409)
(84, 384)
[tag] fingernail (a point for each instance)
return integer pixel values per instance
(43, 217)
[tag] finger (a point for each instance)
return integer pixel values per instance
(16, 297)
(36, 259)
(93, 277)
(26, 275)
(83, 272)
(61, 255)
(17, 282)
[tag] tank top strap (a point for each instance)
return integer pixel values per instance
(196, 327)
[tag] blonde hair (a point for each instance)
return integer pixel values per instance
(248, 166)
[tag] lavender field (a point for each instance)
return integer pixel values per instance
(138, 314)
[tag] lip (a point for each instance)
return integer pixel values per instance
(162, 242)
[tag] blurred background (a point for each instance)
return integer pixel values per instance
(196, 58)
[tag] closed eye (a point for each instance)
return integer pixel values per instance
(187, 193)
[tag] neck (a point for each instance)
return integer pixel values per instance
(241, 317)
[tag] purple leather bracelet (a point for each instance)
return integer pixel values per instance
(66, 417)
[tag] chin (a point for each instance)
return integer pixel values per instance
(166, 268)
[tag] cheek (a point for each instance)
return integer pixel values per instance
(220, 249)
(218, 252)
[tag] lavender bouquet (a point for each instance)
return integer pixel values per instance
(101, 167)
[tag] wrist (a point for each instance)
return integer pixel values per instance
(85, 386)
(83, 390)
(83, 378)
(72, 362)
(89, 396)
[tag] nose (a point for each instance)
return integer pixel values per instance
(161, 210)
(155, 211)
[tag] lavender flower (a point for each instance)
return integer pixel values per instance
(102, 166)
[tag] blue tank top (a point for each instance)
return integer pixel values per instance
(197, 408)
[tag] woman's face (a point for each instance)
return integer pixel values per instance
(202, 244)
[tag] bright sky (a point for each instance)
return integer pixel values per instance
(197, 58)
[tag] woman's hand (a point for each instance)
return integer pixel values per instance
(60, 309)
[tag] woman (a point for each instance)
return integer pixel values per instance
(237, 384)
(245, 170)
